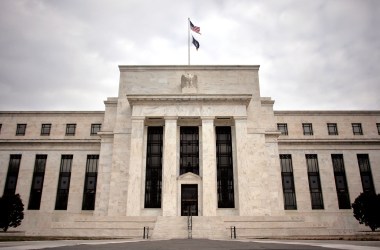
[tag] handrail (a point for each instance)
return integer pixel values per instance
(189, 225)
(233, 232)
(146, 233)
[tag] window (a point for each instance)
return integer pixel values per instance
(70, 129)
(307, 128)
(340, 181)
(21, 128)
(365, 173)
(63, 183)
(288, 189)
(314, 182)
(153, 180)
(189, 150)
(45, 129)
(0, 127)
(95, 128)
(89, 191)
(12, 175)
(37, 182)
(283, 128)
(332, 128)
(357, 128)
(377, 125)
(225, 174)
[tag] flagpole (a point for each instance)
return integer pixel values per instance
(188, 40)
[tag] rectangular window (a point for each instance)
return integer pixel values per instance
(288, 188)
(0, 127)
(332, 128)
(377, 125)
(37, 182)
(64, 182)
(283, 128)
(89, 191)
(307, 128)
(12, 175)
(153, 179)
(341, 181)
(189, 150)
(95, 128)
(70, 129)
(314, 182)
(21, 128)
(357, 128)
(45, 129)
(365, 173)
(224, 165)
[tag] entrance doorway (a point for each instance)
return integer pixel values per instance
(189, 199)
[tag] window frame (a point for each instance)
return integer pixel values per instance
(45, 129)
(95, 128)
(332, 129)
(283, 128)
(21, 129)
(71, 126)
(290, 198)
(309, 126)
(357, 126)
(377, 125)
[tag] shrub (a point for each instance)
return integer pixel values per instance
(367, 209)
(11, 211)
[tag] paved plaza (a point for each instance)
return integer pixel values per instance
(198, 244)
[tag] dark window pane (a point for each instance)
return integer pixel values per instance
(307, 128)
(314, 182)
(70, 129)
(12, 175)
(189, 150)
(283, 128)
(95, 128)
(365, 173)
(45, 129)
(357, 128)
(21, 128)
(64, 182)
(288, 182)
(332, 128)
(37, 182)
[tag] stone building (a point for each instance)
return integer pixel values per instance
(189, 140)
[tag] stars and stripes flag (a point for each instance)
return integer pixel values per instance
(195, 28)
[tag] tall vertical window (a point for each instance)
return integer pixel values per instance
(314, 182)
(224, 165)
(21, 128)
(95, 128)
(332, 128)
(0, 127)
(288, 188)
(89, 191)
(70, 129)
(12, 175)
(37, 182)
(283, 128)
(189, 150)
(377, 125)
(45, 129)
(341, 181)
(153, 180)
(307, 128)
(365, 173)
(64, 182)
(357, 128)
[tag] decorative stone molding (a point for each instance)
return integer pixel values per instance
(189, 83)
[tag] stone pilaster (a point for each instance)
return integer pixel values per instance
(135, 167)
(243, 193)
(209, 167)
(169, 173)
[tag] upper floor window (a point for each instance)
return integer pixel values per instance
(45, 129)
(70, 129)
(21, 128)
(283, 128)
(357, 128)
(377, 125)
(332, 128)
(2, 125)
(307, 128)
(95, 128)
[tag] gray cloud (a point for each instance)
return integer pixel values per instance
(63, 55)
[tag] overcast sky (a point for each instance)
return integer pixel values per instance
(64, 54)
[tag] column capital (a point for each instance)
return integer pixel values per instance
(171, 118)
(207, 118)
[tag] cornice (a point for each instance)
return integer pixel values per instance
(137, 68)
(328, 141)
(327, 112)
(147, 99)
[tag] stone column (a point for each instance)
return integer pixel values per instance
(210, 201)
(169, 173)
(242, 195)
(135, 167)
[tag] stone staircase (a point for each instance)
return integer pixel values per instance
(209, 227)
(170, 227)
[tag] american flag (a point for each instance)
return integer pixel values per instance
(195, 28)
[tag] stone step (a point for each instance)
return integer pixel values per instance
(209, 227)
(170, 227)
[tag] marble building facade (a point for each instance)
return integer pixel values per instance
(181, 140)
